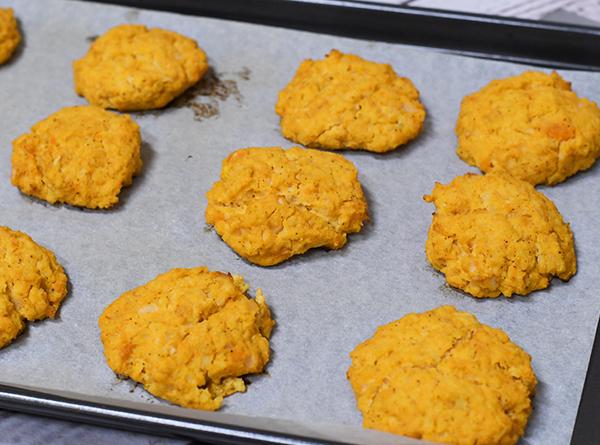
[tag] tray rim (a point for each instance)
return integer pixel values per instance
(531, 42)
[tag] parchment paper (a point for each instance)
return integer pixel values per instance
(325, 303)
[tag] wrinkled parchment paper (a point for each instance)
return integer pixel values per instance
(325, 303)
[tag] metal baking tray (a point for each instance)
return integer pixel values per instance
(523, 41)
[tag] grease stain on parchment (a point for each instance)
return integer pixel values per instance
(132, 15)
(205, 98)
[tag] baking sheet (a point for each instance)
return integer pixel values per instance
(324, 302)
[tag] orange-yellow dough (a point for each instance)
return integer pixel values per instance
(132, 67)
(496, 235)
(442, 376)
(81, 156)
(32, 283)
(347, 102)
(532, 126)
(10, 37)
(188, 336)
(271, 203)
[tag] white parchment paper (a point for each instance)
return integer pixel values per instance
(325, 303)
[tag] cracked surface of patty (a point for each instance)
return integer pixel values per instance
(445, 377)
(532, 126)
(80, 155)
(10, 37)
(271, 203)
(132, 67)
(32, 283)
(188, 336)
(347, 102)
(496, 235)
